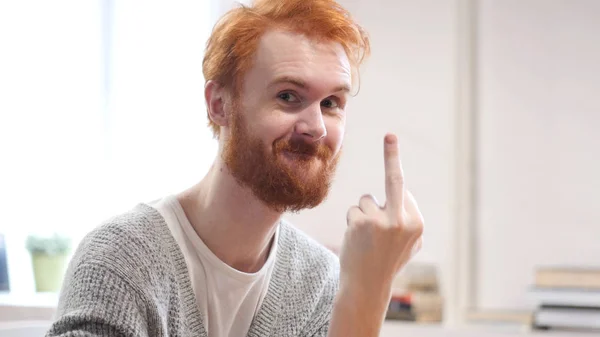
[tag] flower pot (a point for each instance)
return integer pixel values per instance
(48, 271)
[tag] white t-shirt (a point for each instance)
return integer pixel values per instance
(228, 298)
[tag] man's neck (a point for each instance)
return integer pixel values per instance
(236, 226)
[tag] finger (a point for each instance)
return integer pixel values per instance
(417, 247)
(354, 215)
(394, 177)
(368, 204)
(410, 204)
(412, 208)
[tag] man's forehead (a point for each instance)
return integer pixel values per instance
(288, 54)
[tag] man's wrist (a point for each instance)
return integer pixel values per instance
(359, 310)
(373, 298)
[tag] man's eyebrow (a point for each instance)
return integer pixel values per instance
(344, 87)
(291, 80)
(301, 84)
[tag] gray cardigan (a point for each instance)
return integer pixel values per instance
(128, 278)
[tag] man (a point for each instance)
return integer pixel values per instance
(216, 259)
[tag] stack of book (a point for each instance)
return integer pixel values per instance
(567, 298)
(415, 295)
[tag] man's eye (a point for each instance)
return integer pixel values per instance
(288, 97)
(329, 103)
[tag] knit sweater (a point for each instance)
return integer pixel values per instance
(128, 277)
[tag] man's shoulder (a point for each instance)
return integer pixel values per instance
(129, 240)
(122, 276)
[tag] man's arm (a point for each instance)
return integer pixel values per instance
(358, 314)
(377, 244)
(96, 301)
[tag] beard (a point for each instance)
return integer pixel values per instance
(279, 185)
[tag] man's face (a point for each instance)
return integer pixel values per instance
(286, 127)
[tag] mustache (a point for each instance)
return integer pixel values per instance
(299, 146)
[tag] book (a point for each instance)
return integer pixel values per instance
(427, 302)
(416, 294)
(403, 315)
(400, 308)
(567, 317)
(497, 316)
(402, 302)
(566, 297)
(422, 306)
(417, 277)
(567, 277)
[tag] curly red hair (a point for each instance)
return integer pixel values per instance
(234, 39)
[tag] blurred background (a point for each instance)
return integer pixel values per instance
(496, 104)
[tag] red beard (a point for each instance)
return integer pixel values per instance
(280, 186)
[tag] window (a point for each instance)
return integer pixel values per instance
(101, 107)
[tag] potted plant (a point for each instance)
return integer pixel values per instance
(49, 258)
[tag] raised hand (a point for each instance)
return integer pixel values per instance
(380, 240)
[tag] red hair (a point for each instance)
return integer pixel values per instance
(231, 47)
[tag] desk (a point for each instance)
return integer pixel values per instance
(404, 329)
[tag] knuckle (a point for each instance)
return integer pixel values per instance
(395, 178)
(367, 197)
(399, 216)
(361, 223)
(420, 222)
(352, 213)
(374, 222)
(419, 231)
(416, 217)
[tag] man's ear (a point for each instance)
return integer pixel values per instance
(215, 95)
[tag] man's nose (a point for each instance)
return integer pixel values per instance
(311, 125)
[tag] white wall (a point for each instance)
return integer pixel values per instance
(407, 87)
(539, 147)
(537, 152)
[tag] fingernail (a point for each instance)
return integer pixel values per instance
(390, 138)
